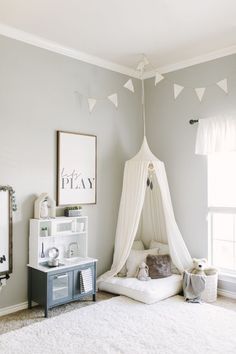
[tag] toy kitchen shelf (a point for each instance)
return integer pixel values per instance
(60, 233)
(75, 277)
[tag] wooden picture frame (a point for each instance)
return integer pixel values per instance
(76, 168)
(6, 252)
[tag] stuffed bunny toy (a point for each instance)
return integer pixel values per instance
(143, 272)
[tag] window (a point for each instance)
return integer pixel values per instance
(222, 210)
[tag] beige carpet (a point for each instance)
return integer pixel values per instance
(26, 317)
(36, 314)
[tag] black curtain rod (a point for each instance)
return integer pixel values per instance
(193, 121)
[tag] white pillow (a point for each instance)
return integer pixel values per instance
(138, 245)
(164, 249)
(135, 258)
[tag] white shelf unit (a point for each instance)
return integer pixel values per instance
(61, 232)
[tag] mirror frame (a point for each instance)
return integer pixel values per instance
(11, 206)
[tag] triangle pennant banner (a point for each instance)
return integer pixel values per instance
(177, 90)
(200, 92)
(129, 85)
(91, 103)
(223, 84)
(114, 99)
(158, 78)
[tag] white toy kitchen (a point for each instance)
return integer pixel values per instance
(59, 269)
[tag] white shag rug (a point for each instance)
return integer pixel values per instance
(122, 325)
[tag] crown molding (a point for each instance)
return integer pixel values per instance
(55, 47)
(193, 61)
(40, 42)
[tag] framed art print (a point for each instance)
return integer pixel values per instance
(76, 168)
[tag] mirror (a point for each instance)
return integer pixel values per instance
(6, 207)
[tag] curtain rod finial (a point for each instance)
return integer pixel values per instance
(193, 121)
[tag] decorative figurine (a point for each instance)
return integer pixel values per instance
(44, 207)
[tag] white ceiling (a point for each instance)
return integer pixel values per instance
(118, 31)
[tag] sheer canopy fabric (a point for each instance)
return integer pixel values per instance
(216, 135)
(148, 211)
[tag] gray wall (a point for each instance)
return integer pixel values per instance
(172, 139)
(37, 97)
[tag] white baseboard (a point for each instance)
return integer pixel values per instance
(24, 305)
(226, 293)
(14, 308)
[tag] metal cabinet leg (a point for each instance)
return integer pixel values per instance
(46, 312)
(29, 289)
(94, 281)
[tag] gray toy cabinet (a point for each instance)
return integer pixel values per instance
(60, 286)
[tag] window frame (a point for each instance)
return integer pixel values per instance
(211, 212)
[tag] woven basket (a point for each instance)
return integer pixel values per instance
(210, 292)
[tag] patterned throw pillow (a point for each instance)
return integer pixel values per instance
(164, 249)
(159, 266)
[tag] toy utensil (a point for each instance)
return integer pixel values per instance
(42, 253)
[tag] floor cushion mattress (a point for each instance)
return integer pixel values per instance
(145, 291)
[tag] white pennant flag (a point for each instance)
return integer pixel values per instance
(177, 90)
(158, 78)
(114, 99)
(91, 104)
(223, 84)
(129, 85)
(200, 92)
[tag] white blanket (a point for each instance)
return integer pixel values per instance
(193, 286)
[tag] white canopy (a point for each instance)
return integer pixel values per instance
(146, 213)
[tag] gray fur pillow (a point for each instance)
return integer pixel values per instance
(159, 266)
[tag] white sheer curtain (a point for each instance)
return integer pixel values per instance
(178, 251)
(153, 226)
(217, 134)
(131, 204)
